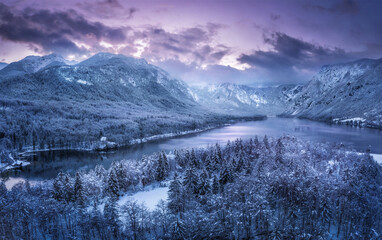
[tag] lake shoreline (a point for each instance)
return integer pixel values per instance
(47, 164)
(132, 143)
(337, 121)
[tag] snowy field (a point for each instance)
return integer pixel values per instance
(377, 157)
(148, 198)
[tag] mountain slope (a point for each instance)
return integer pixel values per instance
(348, 93)
(3, 65)
(31, 64)
(112, 95)
(115, 78)
(243, 99)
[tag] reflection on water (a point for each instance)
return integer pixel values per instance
(46, 165)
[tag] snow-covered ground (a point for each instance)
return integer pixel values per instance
(377, 157)
(12, 181)
(148, 198)
(169, 135)
(12, 163)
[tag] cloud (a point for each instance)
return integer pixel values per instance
(189, 45)
(291, 58)
(107, 9)
(54, 31)
(212, 74)
(341, 7)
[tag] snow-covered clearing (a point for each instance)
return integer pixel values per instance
(12, 181)
(377, 157)
(148, 198)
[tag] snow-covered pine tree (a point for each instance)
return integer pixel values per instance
(79, 190)
(204, 183)
(112, 184)
(175, 195)
(190, 181)
(162, 168)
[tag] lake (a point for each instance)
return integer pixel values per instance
(46, 165)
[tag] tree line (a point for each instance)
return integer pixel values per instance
(255, 189)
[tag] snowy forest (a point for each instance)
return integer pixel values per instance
(180, 119)
(261, 188)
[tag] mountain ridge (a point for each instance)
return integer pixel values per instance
(341, 93)
(125, 98)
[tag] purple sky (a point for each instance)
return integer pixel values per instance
(251, 42)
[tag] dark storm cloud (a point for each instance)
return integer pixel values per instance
(290, 57)
(275, 17)
(107, 9)
(131, 11)
(53, 31)
(342, 7)
(288, 51)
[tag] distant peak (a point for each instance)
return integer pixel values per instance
(102, 57)
(49, 56)
(361, 61)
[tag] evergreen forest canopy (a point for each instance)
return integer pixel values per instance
(255, 189)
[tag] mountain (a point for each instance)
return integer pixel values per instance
(44, 100)
(241, 99)
(344, 93)
(3, 65)
(102, 77)
(31, 64)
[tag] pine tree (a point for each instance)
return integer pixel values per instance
(178, 229)
(123, 180)
(3, 189)
(166, 163)
(187, 157)
(219, 154)
(250, 146)
(162, 168)
(226, 175)
(204, 183)
(175, 199)
(215, 185)
(57, 186)
(190, 181)
(67, 188)
(112, 185)
(266, 143)
(111, 216)
(209, 164)
(215, 161)
(62, 188)
(280, 149)
(79, 190)
(194, 162)
(179, 160)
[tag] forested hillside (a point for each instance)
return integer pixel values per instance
(45, 103)
(347, 93)
(256, 189)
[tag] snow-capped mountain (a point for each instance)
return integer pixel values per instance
(32, 64)
(3, 65)
(344, 93)
(228, 97)
(102, 77)
(119, 97)
(341, 93)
